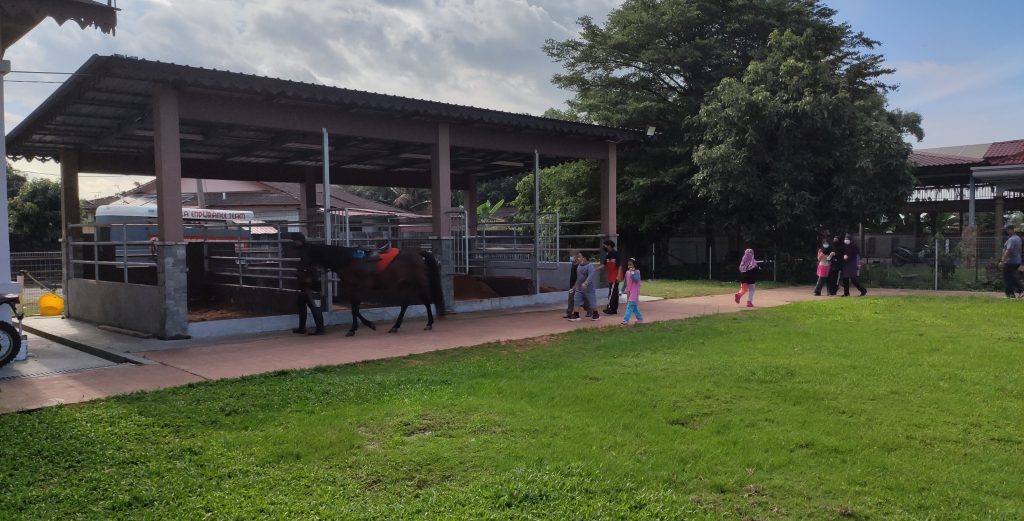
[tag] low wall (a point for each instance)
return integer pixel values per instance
(130, 306)
(383, 316)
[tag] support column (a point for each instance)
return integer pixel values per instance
(307, 196)
(1000, 203)
(167, 152)
(441, 181)
(6, 283)
(471, 198)
(70, 213)
(608, 193)
(171, 266)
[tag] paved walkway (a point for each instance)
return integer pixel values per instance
(185, 363)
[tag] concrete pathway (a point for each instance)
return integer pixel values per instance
(183, 362)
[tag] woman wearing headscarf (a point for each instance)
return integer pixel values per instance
(748, 278)
(851, 266)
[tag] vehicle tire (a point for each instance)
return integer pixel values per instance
(10, 343)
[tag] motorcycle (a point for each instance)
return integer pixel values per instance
(901, 256)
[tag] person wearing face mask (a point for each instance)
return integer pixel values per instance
(851, 267)
(825, 255)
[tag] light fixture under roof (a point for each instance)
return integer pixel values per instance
(306, 146)
(414, 156)
(507, 163)
(182, 135)
(357, 166)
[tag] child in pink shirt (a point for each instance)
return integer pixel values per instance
(632, 293)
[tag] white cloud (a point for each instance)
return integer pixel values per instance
(485, 53)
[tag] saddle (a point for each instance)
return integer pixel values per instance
(375, 260)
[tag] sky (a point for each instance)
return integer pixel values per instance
(958, 63)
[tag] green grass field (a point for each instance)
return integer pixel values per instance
(896, 408)
(669, 288)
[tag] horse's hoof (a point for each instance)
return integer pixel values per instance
(371, 326)
(350, 333)
(428, 328)
(393, 330)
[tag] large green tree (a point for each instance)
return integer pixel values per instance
(651, 64)
(34, 215)
(655, 63)
(571, 189)
(803, 139)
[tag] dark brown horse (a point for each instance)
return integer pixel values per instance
(412, 275)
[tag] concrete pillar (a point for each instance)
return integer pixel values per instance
(1000, 203)
(173, 281)
(608, 193)
(441, 181)
(471, 199)
(167, 153)
(444, 254)
(307, 196)
(70, 213)
(7, 285)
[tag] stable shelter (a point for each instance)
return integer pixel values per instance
(121, 115)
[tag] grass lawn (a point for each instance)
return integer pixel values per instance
(896, 408)
(669, 288)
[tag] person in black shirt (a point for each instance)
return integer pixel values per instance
(569, 307)
(611, 266)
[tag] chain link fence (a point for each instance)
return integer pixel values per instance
(938, 263)
(43, 274)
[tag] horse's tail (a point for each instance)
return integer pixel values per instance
(434, 279)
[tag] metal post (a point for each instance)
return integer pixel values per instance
(935, 252)
(348, 230)
(970, 204)
(536, 223)
(653, 257)
(329, 294)
(124, 250)
(709, 262)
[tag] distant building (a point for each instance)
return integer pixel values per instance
(270, 202)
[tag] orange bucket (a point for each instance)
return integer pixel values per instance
(51, 305)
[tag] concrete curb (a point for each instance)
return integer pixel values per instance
(99, 352)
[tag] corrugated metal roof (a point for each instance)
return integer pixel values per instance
(969, 151)
(105, 109)
(924, 159)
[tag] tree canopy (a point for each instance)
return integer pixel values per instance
(678, 65)
(34, 215)
(804, 140)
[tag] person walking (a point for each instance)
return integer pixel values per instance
(572, 284)
(1010, 262)
(632, 281)
(308, 284)
(851, 267)
(748, 277)
(585, 289)
(835, 266)
(611, 265)
(825, 255)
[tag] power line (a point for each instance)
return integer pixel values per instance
(52, 72)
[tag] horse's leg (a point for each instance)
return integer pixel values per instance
(430, 314)
(354, 304)
(367, 323)
(401, 316)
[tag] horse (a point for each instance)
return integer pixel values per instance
(410, 274)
